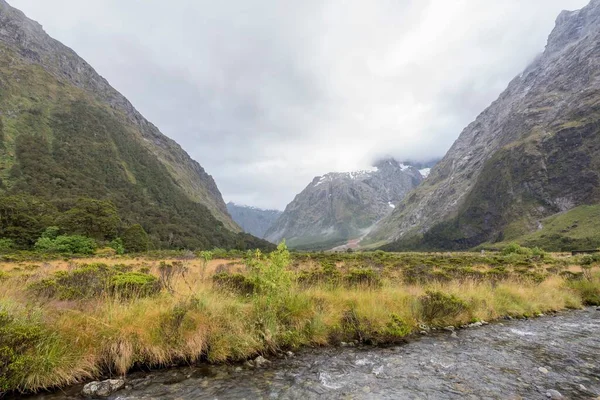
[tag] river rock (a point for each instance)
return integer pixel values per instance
(543, 370)
(260, 361)
(554, 394)
(102, 389)
(449, 328)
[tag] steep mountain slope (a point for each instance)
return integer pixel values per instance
(337, 207)
(533, 153)
(255, 221)
(66, 134)
(33, 46)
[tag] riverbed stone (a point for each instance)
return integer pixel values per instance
(449, 328)
(260, 361)
(543, 370)
(554, 394)
(102, 389)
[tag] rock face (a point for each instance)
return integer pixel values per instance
(29, 44)
(254, 221)
(339, 207)
(533, 153)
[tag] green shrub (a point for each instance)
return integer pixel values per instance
(134, 284)
(118, 246)
(90, 281)
(6, 245)
(66, 245)
(514, 248)
(236, 283)
(435, 306)
(363, 277)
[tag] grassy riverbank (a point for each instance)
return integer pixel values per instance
(65, 321)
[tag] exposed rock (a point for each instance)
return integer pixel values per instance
(533, 153)
(554, 394)
(260, 361)
(101, 389)
(338, 207)
(449, 328)
(543, 370)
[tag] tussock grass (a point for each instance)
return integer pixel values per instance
(317, 300)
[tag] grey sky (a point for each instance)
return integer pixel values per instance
(267, 94)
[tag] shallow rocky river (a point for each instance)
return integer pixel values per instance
(542, 358)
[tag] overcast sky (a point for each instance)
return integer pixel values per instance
(267, 94)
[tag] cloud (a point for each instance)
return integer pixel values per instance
(268, 94)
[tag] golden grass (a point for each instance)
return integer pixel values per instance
(89, 338)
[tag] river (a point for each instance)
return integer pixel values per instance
(518, 359)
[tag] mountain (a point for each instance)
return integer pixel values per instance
(255, 221)
(338, 207)
(65, 133)
(534, 153)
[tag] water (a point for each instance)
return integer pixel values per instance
(507, 360)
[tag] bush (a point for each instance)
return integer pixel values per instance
(117, 245)
(514, 248)
(363, 277)
(94, 280)
(236, 283)
(66, 245)
(134, 284)
(6, 245)
(435, 306)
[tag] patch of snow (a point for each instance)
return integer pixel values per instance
(404, 167)
(425, 172)
(321, 180)
(391, 205)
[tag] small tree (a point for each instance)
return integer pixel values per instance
(206, 257)
(135, 239)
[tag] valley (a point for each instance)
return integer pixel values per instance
(124, 274)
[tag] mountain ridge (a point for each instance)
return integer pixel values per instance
(341, 206)
(253, 220)
(29, 39)
(503, 174)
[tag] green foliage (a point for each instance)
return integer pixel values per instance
(117, 245)
(363, 278)
(135, 239)
(515, 248)
(92, 218)
(66, 245)
(435, 306)
(6, 245)
(270, 273)
(235, 283)
(587, 288)
(65, 145)
(93, 280)
(51, 233)
(18, 340)
(23, 218)
(134, 284)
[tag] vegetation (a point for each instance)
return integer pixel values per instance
(84, 318)
(69, 160)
